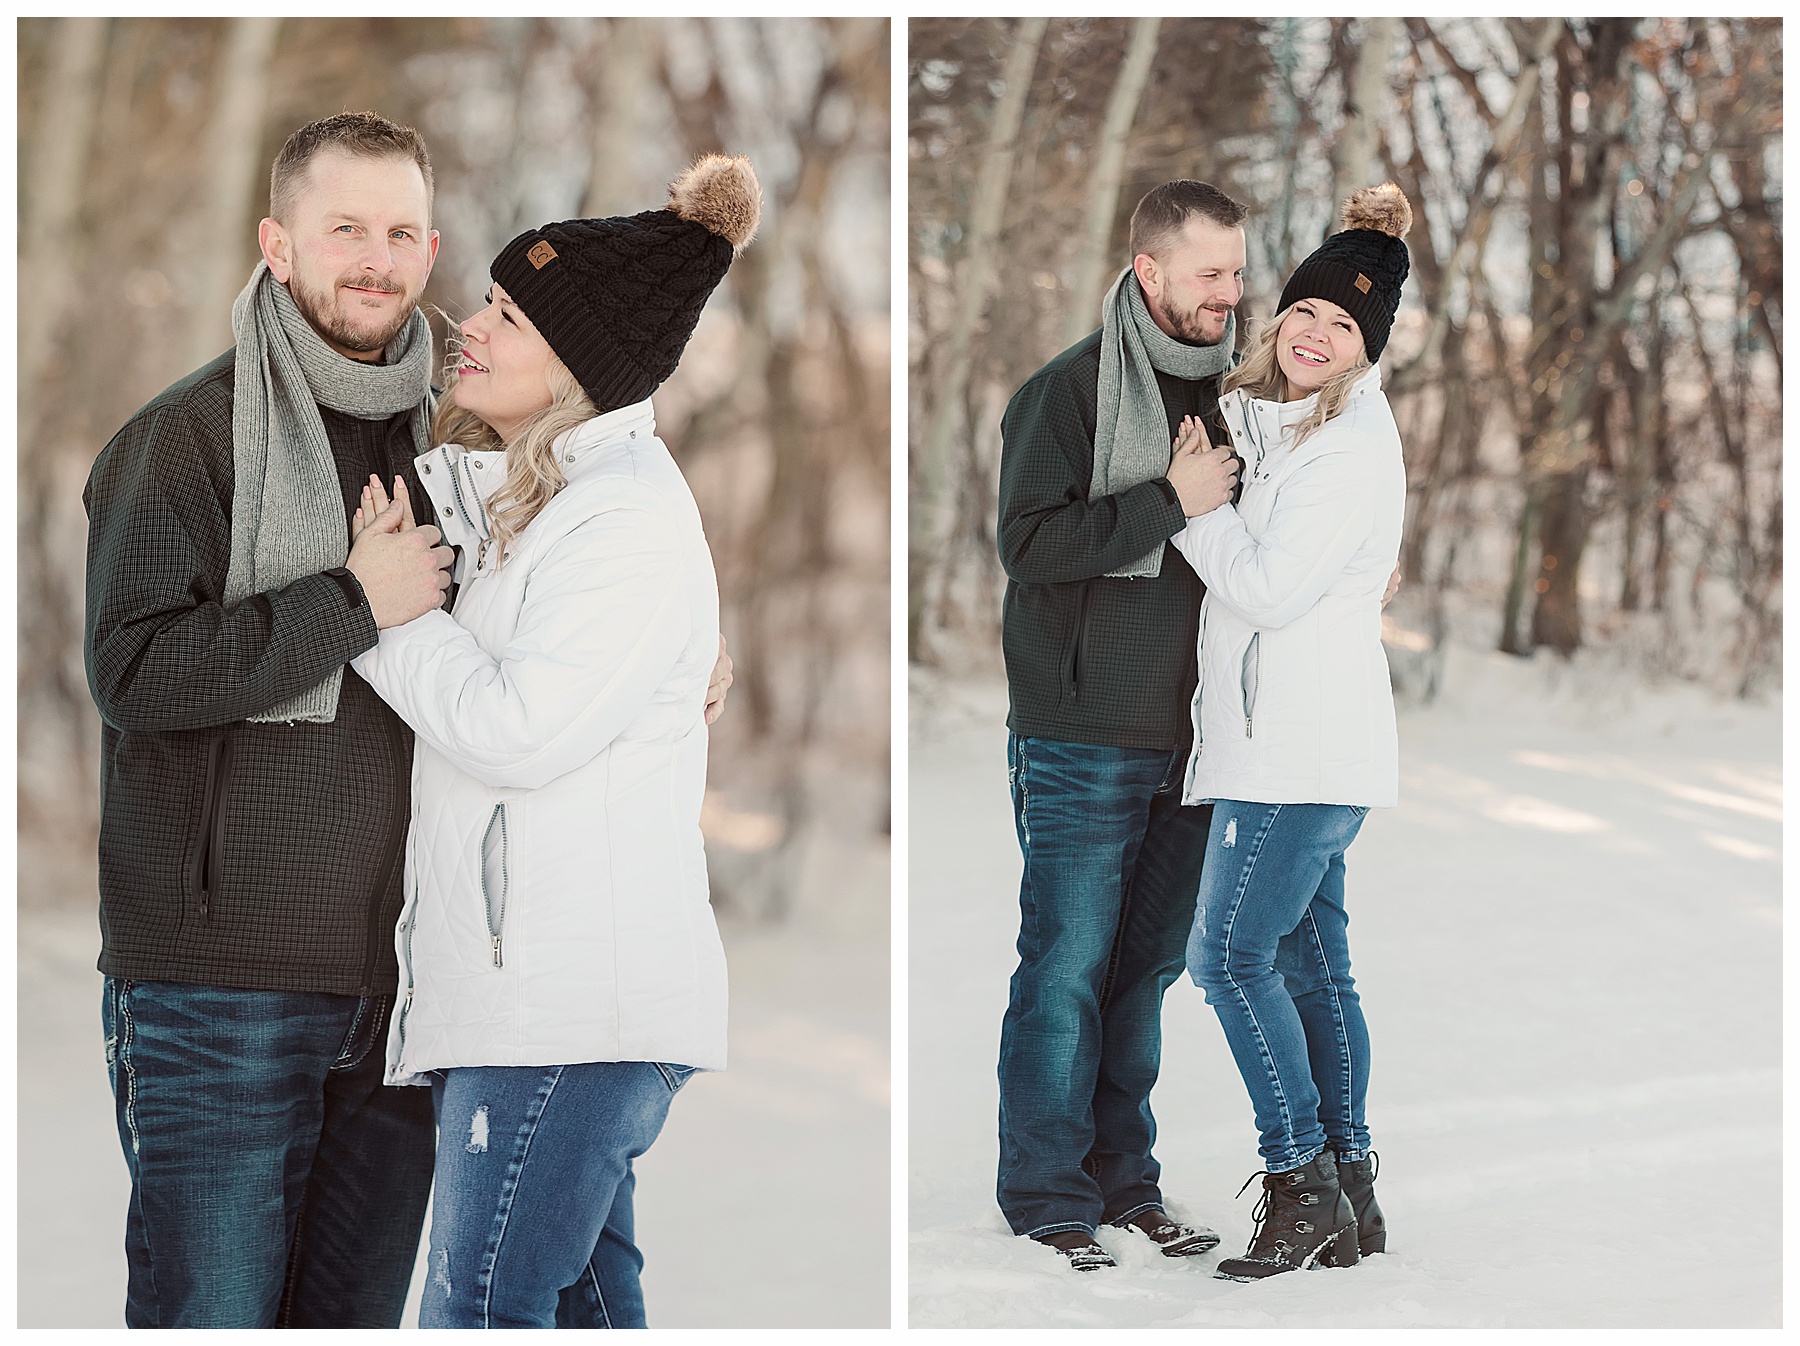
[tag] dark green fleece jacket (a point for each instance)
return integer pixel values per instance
(1091, 659)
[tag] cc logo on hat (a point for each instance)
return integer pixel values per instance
(1362, 281)
(541, 253)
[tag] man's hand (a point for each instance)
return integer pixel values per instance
(402, 570)
(1203, 477)
(1393, 587)
(719, 684)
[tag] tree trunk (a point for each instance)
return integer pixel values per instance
(1109, 170)
(933, 491)
(1365, 104)
(1512, 640)
(1562, 534)
(58, 168)
(233, 155)
(617, 93)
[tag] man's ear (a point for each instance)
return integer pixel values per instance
(1149, 274)
(277, 249)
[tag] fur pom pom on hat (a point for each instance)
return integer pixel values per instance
(1362, 268)
(1384, 209)
(720, 192)
(618, 298)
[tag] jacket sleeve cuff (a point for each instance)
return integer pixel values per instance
(1169, 520)
(344, 618)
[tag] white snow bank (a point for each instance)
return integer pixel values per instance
(1568, 945)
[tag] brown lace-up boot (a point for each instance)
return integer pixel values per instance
(1303, 1220)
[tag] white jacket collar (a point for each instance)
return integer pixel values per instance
(1292, 413)
(622, 424)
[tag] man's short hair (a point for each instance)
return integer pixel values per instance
(1164, 212)
(363, 134)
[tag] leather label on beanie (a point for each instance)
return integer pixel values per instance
(541, 253)
(1362, 281)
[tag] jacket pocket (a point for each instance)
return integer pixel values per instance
(209, 849)
(496, 877)
(1249, 675)
(1071, 663)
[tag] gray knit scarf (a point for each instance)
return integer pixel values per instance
(1131, 430)
(285, 470)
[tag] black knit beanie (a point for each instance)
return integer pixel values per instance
(1361, 269)
(617, 299)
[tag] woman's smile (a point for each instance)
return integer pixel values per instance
(1318, 341)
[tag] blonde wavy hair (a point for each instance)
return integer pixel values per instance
(532, 476)
(1259, 374)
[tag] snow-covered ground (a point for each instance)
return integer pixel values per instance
(730, 1200)
(1568, 944)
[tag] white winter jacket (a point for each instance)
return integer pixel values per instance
(556, 897)
(1294, 704)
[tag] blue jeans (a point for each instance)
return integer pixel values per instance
(1270, 948)
(1112, 863)
(275, 1181)
(531, 1222)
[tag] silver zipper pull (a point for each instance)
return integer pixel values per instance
(1247, 733)
(496, 951)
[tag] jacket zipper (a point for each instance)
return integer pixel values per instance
(1249, 678)
(1071, 664)
(1199, 689)
(496, 913)
(395, 844)
(406, 957)
(210, 862)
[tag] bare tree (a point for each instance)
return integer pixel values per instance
(1109, 170)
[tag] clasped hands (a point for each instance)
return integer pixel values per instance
(402, 566)
(1203, 476)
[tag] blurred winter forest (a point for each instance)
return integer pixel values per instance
(144, 151)
(1586, 366)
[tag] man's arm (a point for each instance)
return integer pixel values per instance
(163, 653)
(1049, 532)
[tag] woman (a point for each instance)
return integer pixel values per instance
(561, 973)
(1294, 736)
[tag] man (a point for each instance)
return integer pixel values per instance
(255, 791)
(1099, 631)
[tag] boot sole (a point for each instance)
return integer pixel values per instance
(1193, 1247)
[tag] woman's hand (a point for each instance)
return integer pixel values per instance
(375, 503)
(719, 684)
(1393, 587)
(1203, 477)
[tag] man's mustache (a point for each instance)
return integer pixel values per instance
(371, 283)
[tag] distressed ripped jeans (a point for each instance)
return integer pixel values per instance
(531, 1222)
(275, 1180)
(1271, 950)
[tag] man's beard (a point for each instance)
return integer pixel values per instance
(1189, 326)
(330, 322)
